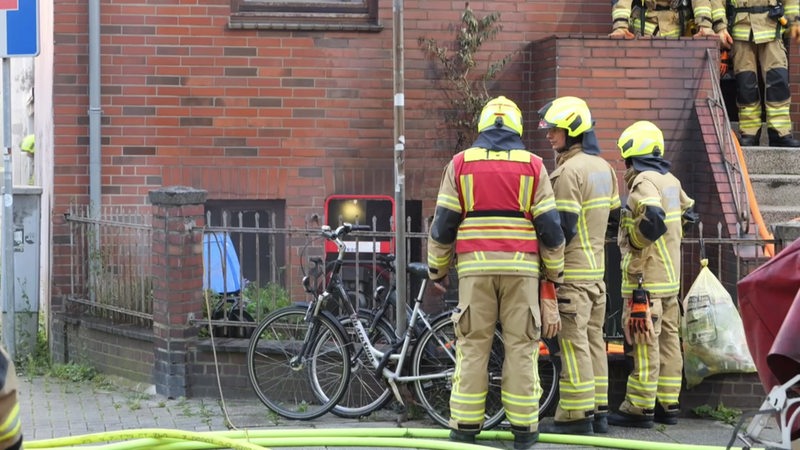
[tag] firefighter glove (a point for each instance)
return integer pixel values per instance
(794, 31)
(638, 326)
(621, 33)
(548, 306)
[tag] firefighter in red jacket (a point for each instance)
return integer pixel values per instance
(649, 238)
(587, 199)
(496, 222)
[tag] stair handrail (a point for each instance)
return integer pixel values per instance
(725, 136)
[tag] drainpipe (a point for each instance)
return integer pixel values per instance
(94, 108)
(94, 133)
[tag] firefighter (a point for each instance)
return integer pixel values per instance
(587, 200)
(10, 425)
(663, 18)
(649, 238)
(757, 28)
(495, 219)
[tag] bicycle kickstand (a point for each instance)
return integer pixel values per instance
(777, 402)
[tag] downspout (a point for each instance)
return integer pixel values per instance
(94, 108)
(94, 137)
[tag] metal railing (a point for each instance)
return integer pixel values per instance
(110, 264)
(116, 281)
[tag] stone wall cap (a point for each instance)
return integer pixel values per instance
(177, 195)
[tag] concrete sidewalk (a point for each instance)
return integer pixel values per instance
(53, 408)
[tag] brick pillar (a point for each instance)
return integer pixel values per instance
(178, 286)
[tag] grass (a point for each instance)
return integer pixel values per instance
(721, 413)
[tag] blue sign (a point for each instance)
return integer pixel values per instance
(19, 28)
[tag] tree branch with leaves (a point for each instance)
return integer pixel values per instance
(464, 75)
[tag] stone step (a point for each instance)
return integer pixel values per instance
(772, 160)
(776, 190)
(774, 215)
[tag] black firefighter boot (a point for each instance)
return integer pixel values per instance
(668, 415)
(781, 141)
(524, 439)
(465, 436)
(750, 140)
(623, 419)
(580, 427)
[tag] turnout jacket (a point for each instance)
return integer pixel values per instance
(10, 426)
(750, 19)
(587, 199)
(650, 232)
(496, 215)
(661, 17)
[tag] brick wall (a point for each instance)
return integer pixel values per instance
(300, 115)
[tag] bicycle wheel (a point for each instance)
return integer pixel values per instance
(549, 369)
(367, 392)
(435, 353)
(283, 353)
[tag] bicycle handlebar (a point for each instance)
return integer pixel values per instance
(342, 230)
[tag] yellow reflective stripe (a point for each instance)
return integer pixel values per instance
(523, 419)
(570, 360)
(543, 207)
(702, 11)
(763, 35)
(481, 154)
(470, 267)
(582, 274)
(448, 201)
(621, 13)
(11, 426)
(468, 398)
(467, 191)
(525, 196)
(568, 206)
(615, 202)
(649, 201)
(669, 381)
(599, 202)
(517, 235)
(553, 264)
(586, 245)
(661, 246)
(644, 364)
(497, 222)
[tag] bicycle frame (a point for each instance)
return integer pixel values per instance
(377, 358)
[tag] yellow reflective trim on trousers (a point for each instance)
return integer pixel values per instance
(469, 398)
(471, 416)
(525, 196)
(11, 426)
(568, 206)
(448, 202)
(467, 191)
(644, 363)
(502, 223)
(519, 400)
(544, 206)
(460, 415)
(669, 382)
(570, 361)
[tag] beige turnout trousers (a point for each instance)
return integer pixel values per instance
(482, 300)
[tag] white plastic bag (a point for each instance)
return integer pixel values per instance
(712, 331)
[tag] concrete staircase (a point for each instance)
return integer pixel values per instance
(775, 176)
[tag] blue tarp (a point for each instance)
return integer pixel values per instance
(221, 270)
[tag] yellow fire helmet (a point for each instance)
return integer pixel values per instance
(643, 138)
(27, 144)
(501, 112)
(569, 113)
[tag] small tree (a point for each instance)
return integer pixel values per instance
(461, 71)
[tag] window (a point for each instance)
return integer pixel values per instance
(357, 15)
(262, 255)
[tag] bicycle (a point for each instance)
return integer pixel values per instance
(367, 393)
